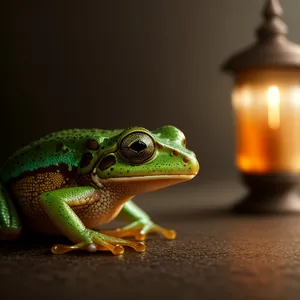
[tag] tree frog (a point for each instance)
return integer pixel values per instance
(72, 181)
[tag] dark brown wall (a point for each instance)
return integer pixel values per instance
(121, 63)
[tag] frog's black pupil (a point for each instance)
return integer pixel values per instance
(138, 146)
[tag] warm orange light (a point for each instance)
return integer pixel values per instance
(267, 118)
(273, 107)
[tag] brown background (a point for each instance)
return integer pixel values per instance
(112, 64)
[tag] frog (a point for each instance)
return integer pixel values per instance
(73, 181)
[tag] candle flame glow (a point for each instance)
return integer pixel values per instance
(273, 107)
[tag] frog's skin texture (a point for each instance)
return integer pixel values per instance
(72, 181)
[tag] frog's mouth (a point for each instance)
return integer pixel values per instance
(182, 177)
(134, 185)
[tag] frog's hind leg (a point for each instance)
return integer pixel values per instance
(57, 204)
(10, 224)
(141, 224)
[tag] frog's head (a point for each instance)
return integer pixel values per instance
(144, 160)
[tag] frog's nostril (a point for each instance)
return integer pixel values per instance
(185, 159)
(175, 153)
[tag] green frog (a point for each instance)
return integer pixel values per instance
(72, 181)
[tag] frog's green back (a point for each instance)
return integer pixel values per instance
(62, 147)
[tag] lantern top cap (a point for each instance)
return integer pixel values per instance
(272, 49)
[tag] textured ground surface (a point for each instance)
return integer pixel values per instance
(216, 256)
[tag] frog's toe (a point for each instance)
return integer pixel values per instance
(124, 233)
(101, 242)
(139, 231)
(115, 245)
(169, 234)
(61, 249)
(114, 249)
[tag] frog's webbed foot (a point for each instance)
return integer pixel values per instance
(95, 241)
(140, 229)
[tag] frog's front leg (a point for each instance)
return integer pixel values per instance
(141, 224)
(58, 206)
(10, 223)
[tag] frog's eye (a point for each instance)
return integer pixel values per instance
(136, 148)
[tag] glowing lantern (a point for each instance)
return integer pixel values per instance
(266, 105)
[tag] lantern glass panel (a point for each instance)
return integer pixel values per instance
(266, 107)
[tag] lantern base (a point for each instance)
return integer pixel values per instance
(270, 194)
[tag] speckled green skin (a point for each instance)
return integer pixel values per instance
(48, 151)
(76, 153)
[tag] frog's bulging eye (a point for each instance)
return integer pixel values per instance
(136, 148)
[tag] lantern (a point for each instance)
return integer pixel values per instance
(266, 106)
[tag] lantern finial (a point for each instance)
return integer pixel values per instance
(272, 26)
(271, 50)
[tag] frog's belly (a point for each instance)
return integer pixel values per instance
(27, 191)
(42, 224)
